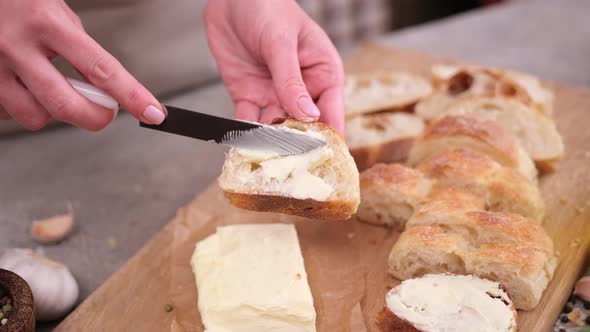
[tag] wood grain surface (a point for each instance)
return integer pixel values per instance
(134, 297)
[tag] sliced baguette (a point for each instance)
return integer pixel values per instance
(321, 184)
(487, 137)
(381, 137)
(390, 194)
(517, 260)
(382, 91)
(535, 132)
(459, 179)
(502, 188)
(466, 80)
(446, 302)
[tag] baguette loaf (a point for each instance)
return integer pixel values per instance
(383, 91)
(390, 194)
(502, 188)
(484, 136)
(381, 137)
(320, 184)
(522, 261)
(445, 302)
(535, 132)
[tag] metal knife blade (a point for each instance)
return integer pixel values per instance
(241, 134)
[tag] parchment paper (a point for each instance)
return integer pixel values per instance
(346, 263)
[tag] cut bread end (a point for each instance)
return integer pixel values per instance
(381, 137)
(320, 184)
(446, 302)
(383, 91)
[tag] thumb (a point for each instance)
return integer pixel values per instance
(283, 64)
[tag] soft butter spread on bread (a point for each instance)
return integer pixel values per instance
(320, 184)
(443, 302)
(252, 278)
(291, 175)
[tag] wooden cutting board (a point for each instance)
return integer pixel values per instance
(133, 298)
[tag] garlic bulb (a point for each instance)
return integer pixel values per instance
(55, 291)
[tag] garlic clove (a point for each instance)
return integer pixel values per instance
(55, 290)
(583, 288)
(53, 229)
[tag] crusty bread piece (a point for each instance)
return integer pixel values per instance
(321, 184)
(447, 302)
(381, 137)
(496, 246)
(382, 91)
(485, 136)
(459, 179)
(466, 80)
(535, 132)
(502, 188)
(390, 193)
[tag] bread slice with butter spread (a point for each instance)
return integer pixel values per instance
(319, 184)
(446, 302)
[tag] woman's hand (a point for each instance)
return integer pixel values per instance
(32, 91)
(275, 61)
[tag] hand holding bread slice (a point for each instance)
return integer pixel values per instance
(320, 184)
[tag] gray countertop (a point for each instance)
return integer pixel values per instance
(125, 182)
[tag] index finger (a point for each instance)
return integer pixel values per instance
(331, 105)
(107, 73)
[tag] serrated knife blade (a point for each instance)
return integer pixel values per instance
(236, 133)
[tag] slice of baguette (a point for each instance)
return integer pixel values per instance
(504, 256)
(320, 184)
(502, 188)
(382, 91)
(535, 132)
(485, 136)
(468, 80)
(390, 194)
(381, 137)
(446, 302)
(459, 179)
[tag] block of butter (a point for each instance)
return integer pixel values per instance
(252, 278)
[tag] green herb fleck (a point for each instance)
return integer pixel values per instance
(168, 307)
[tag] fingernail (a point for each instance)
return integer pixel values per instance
(307, 106)
(153, 115)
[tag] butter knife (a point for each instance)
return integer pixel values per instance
(210, 128)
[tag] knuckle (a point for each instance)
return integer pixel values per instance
(134, 97)
(61, 108)
(101, 69)
(44, 21)
(293, 82)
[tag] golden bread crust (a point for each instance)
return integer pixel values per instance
(309, 208)
(488, 132)
(387, 321)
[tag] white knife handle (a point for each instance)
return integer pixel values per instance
(94, 94)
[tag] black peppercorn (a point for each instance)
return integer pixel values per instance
(567, 309)
(564, 319)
